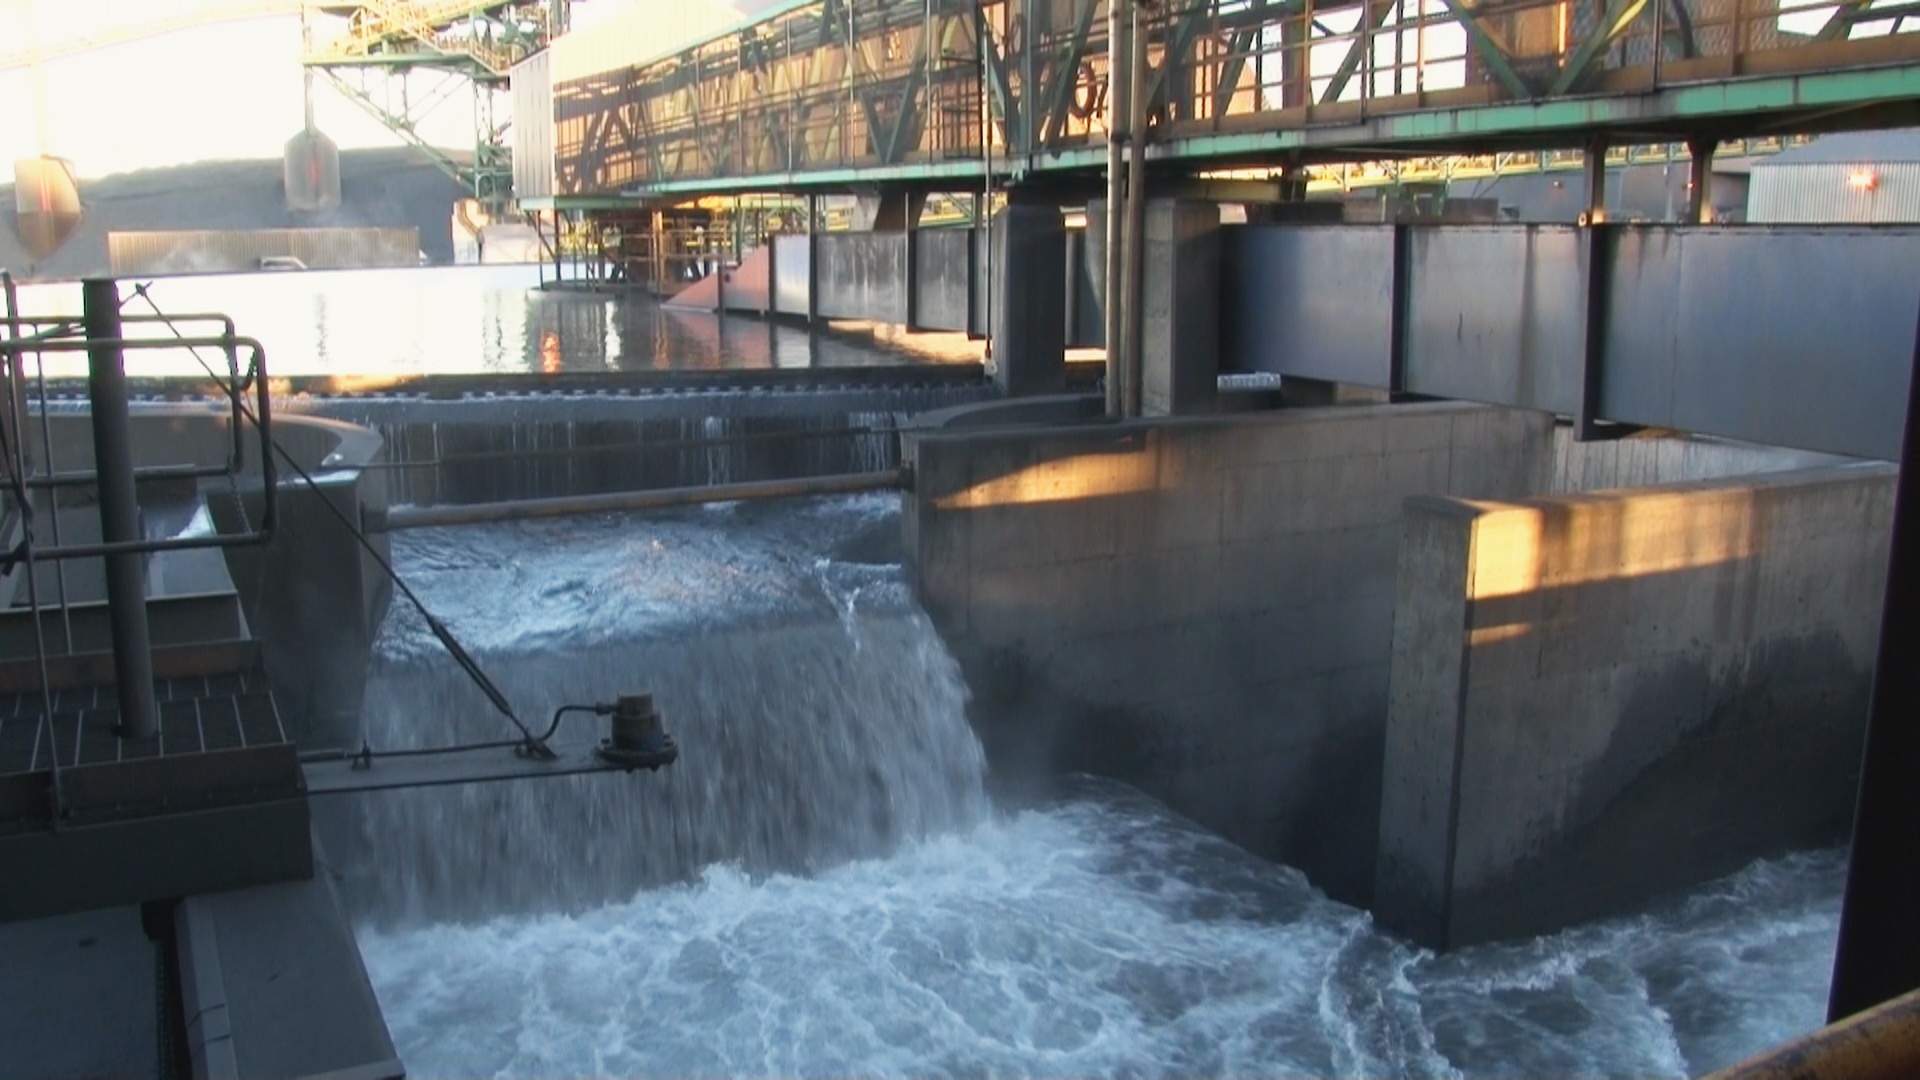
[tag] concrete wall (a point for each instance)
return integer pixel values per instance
(1202, 607)
(1598, 698)
(1665, 458)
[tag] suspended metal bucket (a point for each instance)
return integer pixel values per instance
(46, 204)
(311, 167)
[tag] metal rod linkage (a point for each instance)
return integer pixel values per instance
(119, 510)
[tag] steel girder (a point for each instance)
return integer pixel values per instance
(921, 90)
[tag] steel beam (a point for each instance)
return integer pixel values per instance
(1619, 15)
(1370, 22)
(1490, 51)
(1066, 75)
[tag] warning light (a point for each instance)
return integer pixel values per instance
(1863, 180)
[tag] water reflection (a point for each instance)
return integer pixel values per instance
(467, 320)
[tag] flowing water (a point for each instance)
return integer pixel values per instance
(820, 885)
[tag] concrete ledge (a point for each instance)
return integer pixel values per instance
(273, 985)
(1599, 698)
(1044, 410)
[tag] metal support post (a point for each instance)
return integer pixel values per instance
(913, 277)
(1700, 181)
(1118, 53)
(1878, 958)
(816, 220)
(1133, 248)
(119, 512)
(1599, 298)
(1596, 169)
(1398, 335)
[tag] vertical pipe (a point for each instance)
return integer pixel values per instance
(1119, 51)
(119, 512)
(1133, 245)
(1879, 952)
(985, 35)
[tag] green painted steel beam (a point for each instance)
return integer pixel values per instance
(1620, 15)
(1000, 87)
(1492, 53)
(1370, 22)
(916, 173)
(1564, 121)
(1066, 76)
(1544, 122)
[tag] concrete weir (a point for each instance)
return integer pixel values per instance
(1412, 649)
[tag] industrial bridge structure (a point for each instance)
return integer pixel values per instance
(935, 94)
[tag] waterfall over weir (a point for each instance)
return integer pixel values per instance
(818, 886)
(819, 717)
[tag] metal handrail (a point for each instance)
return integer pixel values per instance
(228, 340)
(262, 421)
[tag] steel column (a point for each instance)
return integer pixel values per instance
(1133, 246)
(1599, 300)
(1878, 958)
(1118, 52)
(119, 511)
(1595, 165)
(1700, 181)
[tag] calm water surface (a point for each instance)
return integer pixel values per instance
(488, 319)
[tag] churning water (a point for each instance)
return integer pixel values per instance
(819, 886)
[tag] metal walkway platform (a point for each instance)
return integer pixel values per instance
(213, 800)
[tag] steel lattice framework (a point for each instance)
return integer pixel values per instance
(825, 93)
(467, 44)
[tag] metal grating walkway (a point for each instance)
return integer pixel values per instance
(198, 714)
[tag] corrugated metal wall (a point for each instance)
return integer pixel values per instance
(533, 126)
(1822, 192)
(226, 251)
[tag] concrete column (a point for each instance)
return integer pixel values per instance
(1700, 180)
(1180, 308)
(1029, 294)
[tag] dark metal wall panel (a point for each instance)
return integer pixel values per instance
(1786, 336)
(943, 281)
(1496, 314)
(792, 273)
(1086, 269)
(982, 287)
(1308, 301)
(863, 276)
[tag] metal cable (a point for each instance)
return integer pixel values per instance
(533, 746)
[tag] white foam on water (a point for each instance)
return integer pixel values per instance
(1055, 941)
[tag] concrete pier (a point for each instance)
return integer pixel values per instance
(1596, 698)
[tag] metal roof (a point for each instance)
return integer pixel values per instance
(1851, 148)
